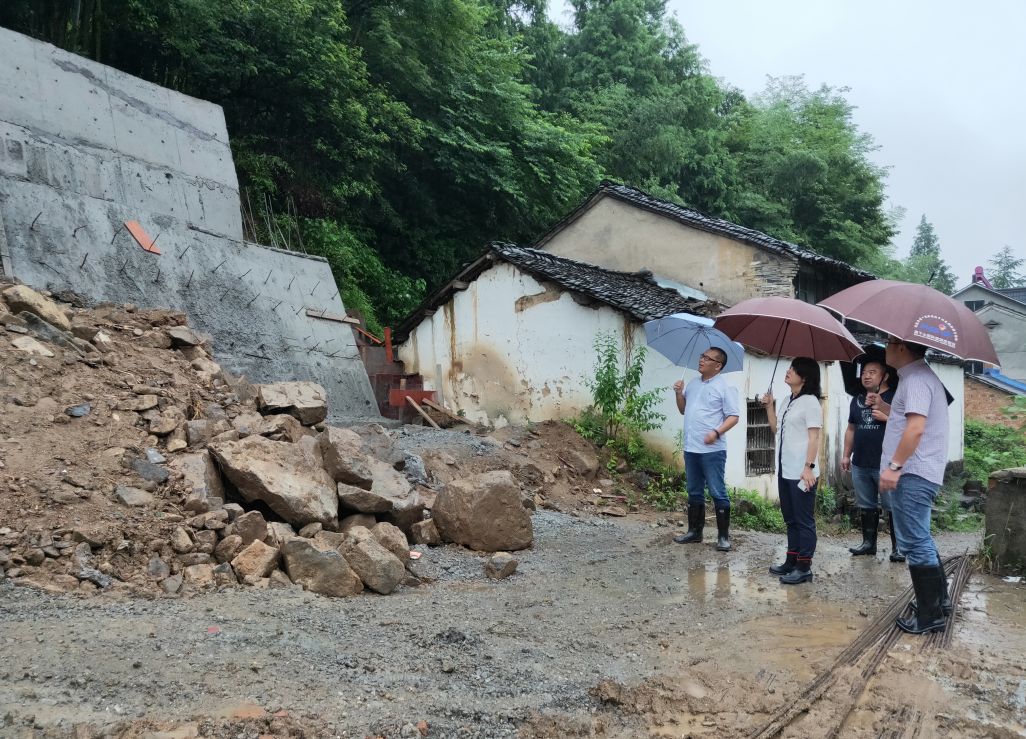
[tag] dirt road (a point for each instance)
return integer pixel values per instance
(607, 629)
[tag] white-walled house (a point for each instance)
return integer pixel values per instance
(510, 340)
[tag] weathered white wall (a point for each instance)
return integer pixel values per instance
(509, 349)
(623, 237)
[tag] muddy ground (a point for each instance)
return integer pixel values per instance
(607, 629)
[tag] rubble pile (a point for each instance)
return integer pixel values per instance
(130, 461)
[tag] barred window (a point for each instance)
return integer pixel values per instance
(759, 448)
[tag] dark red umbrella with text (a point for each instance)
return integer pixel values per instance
(918, 314)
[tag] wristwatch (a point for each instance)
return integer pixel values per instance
(894, 467)
(811, 465)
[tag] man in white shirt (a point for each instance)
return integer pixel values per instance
(710, 409)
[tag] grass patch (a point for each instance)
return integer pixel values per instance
(749, 510)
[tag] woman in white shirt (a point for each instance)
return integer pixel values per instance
(798, 433)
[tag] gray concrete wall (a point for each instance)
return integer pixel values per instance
(1005, 537)
(83, 148)
(92, 130)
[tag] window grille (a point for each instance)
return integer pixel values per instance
(759, 447)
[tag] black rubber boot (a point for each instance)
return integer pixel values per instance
(802, 572)
(946, 607)
(722, 529)
(928, 584)
(896, 556)
(789, 563)
(696, 522)
(870, 524)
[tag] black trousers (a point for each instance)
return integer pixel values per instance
(799, 509)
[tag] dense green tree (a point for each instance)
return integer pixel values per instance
(409, 132)
(925, 264)
(489, 162)
(806, 172)
(1004, 269)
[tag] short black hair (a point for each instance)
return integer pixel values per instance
(721, 354)
(918, 350)
(807, 369)
(883, 365)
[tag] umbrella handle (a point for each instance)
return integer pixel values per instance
(774, 375)
(780, 339)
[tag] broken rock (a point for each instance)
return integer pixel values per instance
(378, 568)
(424, 532)
(362, 501)
(200, 479)
(306, 401)
(484, 512)
(326, 573)
(24, 298)
(256, 560)
(133, 497)
(500, 565)
(392, 539)
(344, 459)
(284, 476)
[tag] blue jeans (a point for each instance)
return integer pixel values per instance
(912, 501)
(706, 469)
(866, 481)
(799, 511)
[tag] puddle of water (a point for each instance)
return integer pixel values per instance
(712, 583)
(987, 608)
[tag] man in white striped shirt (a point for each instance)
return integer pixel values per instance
(915, 454)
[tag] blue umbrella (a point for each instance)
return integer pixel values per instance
(683, 338)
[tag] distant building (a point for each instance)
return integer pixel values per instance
(1003, 312)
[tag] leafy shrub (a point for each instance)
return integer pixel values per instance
(826, 500)
(749, 510)
(620, 412)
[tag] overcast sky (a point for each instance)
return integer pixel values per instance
(940, 86)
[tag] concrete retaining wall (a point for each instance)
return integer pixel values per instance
(1005, 538)
(84, 148)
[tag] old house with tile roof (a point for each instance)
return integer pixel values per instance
(510, 338)
(622, 228)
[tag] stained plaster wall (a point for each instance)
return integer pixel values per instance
(83, 148)
(622, 237)
(510, 349)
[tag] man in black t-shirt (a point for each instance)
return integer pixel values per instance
(863, 441)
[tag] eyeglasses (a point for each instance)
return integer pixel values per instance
(707, 358)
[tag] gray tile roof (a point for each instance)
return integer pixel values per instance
(702, 222)
(1015, 293)
(633, 293)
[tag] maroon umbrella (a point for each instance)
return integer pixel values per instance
(916, 313)
(790, 328)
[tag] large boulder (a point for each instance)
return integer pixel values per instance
(323, 572)
(484, 512)
(287, 477)
(306, 401)
(344, 459)
(24, 298)
(201, 480)
(378, 568)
